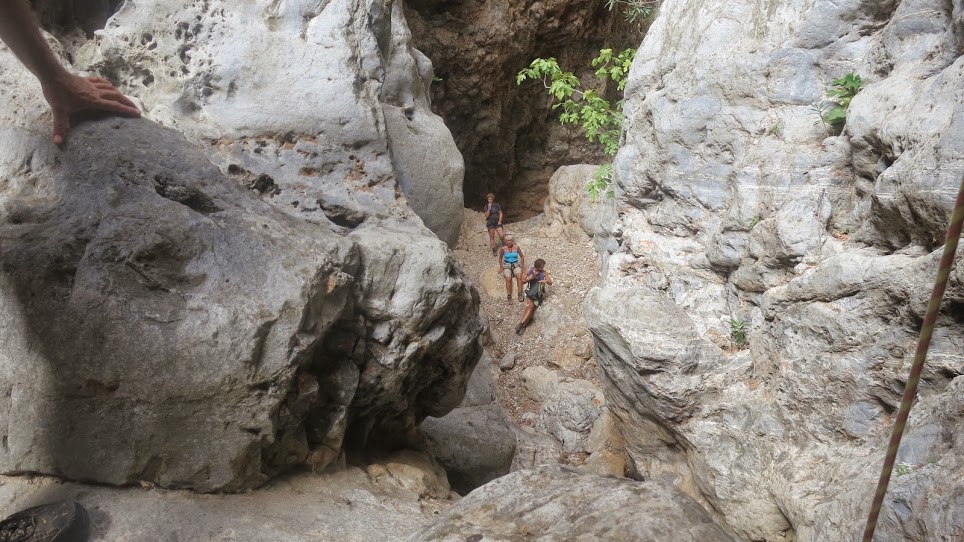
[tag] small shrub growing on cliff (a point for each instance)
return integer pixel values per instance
(738, 330)
(635, 10)
(833, 111)
(600, 118)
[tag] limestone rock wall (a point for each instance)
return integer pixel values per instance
(737, 205)
(167, 322)
(320, 106)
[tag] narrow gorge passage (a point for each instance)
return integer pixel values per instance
(262, 311)
(557, 340)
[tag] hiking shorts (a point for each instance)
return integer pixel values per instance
(512, 269)
(535, 292)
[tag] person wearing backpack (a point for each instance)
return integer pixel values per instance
(536, 279)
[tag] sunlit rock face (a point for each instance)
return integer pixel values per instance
(169, 321)
(738, 208)
(320, 106)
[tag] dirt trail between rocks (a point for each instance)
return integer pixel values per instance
(558, 337)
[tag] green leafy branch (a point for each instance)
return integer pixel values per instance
(599, 184)
(600, 119)
(833, 111)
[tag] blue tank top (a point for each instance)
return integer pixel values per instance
(509, 258)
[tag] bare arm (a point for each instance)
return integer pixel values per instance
(500, 216)
(548, 279)
(522, 258)
(66, 93)
(20, 32)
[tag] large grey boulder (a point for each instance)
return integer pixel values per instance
(738, 207)
(161, 323)
(476, 442)
(327, 117)
(557, 503)
(571, 212)
(534, 449)
(475, 445)
(568, 414)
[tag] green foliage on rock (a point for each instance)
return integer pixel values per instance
(600, 118)
(738, 331)
(635, 10)
(600, 183)
(833, 111)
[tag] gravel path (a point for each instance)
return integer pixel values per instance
(558, 338)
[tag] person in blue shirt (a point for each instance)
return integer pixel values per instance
(513, 262)
(536, 278)
(493, 221)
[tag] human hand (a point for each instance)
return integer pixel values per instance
(69, 94)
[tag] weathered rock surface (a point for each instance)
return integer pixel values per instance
(507, 362)
(476, 442)
(534, 449)
(481, 387)
(161, 323)
(556, 503)
(348, 505)
(569, 413)
(410, 471)
(540, 383)
(736, 206)
(570, 212)
(327, 117)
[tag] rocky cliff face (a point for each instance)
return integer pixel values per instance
(511, 139)
(161, 321)
(737, 207)
(320, 106)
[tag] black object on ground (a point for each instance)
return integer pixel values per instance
(64, 521)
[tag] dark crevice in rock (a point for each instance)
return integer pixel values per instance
(185, 195)
(510, 138)
(264, 184)
(341, 215)
(955, 309)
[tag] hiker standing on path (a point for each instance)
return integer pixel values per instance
(65, 92)
(537, 278)
(493, 221)
(513, 262)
